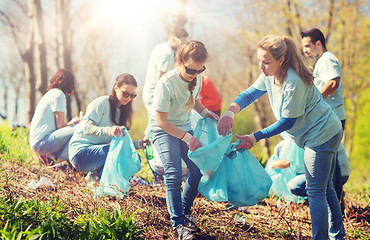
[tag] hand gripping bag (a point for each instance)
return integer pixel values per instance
(228, 174)
(122, 162)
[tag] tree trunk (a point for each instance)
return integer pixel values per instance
(65, 48)
(27, 57)
(40, 48)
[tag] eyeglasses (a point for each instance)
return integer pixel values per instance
(127, 94)
(193, 71)
(234, 153)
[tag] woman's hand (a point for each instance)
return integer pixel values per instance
(76, 120)
(212, 115)
(191, 141)
(116, 131)
(194, 144)
(225, 123)
(206, 113)
(247, 141)
(143, 142)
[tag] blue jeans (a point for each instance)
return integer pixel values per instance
(171, 150)
(56, 143)
(324, 204)
(91, 158)
(297, 185)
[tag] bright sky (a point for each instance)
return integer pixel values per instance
(136, 28)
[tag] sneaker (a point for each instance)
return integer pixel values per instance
(190, 223)
(182, 232)
(91, 176)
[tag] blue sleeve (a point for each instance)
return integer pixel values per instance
(248, 96)
(278, 127)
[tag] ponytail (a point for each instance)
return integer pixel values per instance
(296, 61)
(191, 102)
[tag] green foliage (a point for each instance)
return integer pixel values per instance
(14, 145)
(33, 219)
(357, 234)
(360, 154)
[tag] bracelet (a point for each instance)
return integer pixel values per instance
(186, 137)
(252, 137)
(229, 113)
(204, 112)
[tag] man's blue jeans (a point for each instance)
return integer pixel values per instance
(324, 204)
(171, 150)
(56, 143)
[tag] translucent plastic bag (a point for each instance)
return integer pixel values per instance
(292, 153)
(287, 150)
(122, 162)
(228, 174)
(209, 157)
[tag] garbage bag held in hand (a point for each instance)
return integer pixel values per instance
(208, 158)
(228, 174)
(247, 181)
(122, 162)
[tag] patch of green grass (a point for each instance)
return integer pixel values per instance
(14, 145)
(33, 219)
(357, 234)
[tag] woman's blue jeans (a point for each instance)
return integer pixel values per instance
(324, 204)
(91, 159)
(56, 143)
(171, 150)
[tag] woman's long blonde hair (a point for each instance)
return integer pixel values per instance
(197, 52)
(281, 46)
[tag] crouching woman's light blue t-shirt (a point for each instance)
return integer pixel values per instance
(98, 111)
(43, 121)
(171, 95)
(315, 124)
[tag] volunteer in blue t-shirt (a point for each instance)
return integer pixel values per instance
(175, 95)
(104, 118)
(300, 111)
(50, 133)
(328, 79)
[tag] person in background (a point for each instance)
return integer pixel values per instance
(300, 111)
(176, 94)
(297, 185)
(328, 79)
(209, 96)
(49, 132)
(161, 60)
(105, 117)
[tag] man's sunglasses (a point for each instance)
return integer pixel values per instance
(127, 94)
(193, 71)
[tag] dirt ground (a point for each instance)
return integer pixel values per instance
(264, 221)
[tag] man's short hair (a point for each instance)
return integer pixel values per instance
(315, 35)
(179, 32)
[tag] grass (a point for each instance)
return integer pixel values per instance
(69, 211)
